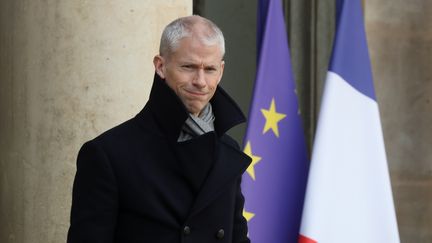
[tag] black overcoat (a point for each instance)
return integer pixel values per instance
(136, 183)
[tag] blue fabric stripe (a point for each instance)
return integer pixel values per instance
(350, 54)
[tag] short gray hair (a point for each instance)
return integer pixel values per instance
(183, 27)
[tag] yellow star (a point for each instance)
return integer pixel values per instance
(248, 215)
(255, 159)
(272, 118)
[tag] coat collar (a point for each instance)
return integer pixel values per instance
(171, 114)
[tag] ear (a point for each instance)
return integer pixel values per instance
(221, 70)
(159, 64)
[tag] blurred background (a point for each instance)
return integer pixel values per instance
(71, 69)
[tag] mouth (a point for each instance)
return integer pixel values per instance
(196, 93)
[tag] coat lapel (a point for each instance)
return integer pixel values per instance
(229, 165)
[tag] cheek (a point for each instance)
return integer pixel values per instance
(213, 84)
(174, 81)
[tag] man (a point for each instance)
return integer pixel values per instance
(170, 174)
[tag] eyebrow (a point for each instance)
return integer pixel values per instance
(198, 65)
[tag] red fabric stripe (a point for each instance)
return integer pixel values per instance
(304, 239)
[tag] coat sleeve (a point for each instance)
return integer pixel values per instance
(240, 224)
(94, 198)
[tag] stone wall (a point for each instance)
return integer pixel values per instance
(68, 71)
(400, 44)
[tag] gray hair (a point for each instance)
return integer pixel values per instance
(183, 27)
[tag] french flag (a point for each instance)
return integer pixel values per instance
(348, 195)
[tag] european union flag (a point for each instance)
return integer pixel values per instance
(275, 182)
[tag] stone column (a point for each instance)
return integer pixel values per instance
(68, 71)
(400, 44)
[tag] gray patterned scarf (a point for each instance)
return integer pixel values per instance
(198, 125)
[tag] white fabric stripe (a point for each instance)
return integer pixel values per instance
(348, 196)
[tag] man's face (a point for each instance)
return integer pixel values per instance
(193, 71)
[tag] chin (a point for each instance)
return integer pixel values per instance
(194, 110)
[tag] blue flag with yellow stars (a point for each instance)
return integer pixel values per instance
(274, 184)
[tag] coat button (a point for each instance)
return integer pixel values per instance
(220, 234)
(186, 230)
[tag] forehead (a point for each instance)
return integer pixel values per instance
(194, 49)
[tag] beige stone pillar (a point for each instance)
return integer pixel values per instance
(68, 71)
(400, 44)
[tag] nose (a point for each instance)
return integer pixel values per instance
(199, 80)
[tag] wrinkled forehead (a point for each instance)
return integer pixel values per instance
(194, 48)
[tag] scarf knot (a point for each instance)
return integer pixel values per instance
(198, 125)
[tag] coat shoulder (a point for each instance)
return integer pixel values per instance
(141, 127)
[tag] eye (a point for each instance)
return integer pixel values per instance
(210, 69)
(187, 67)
